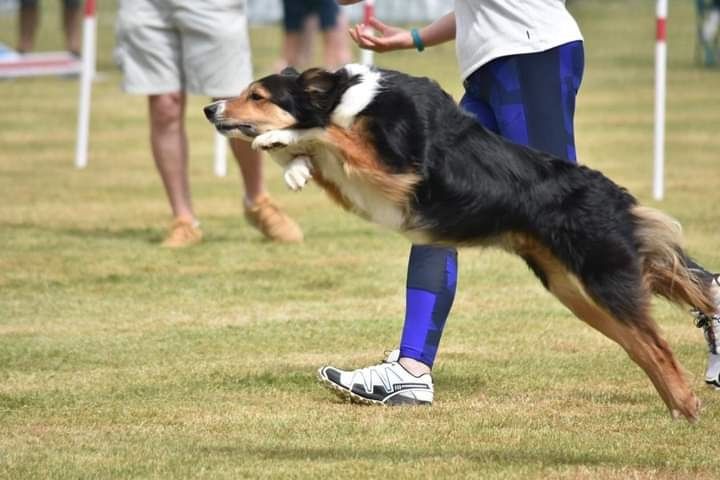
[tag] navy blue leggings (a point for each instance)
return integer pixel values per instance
(529, 99)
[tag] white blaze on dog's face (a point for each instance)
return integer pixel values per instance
(314, 98)
(248, 115)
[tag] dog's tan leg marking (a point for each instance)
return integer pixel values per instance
(332, 191)
(362, 159)
(664, 264)
(641, 340)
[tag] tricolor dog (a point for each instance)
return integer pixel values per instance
(398, 151)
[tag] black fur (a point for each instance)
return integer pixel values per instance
(311, 96)
(477, 185)
(414, 161)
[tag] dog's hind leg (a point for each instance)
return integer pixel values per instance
(639, 337)
(642, 342)
(667, 270)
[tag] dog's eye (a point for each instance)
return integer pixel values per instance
(255, 97)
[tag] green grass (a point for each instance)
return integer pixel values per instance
(120, 359)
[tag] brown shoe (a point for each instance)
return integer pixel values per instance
(275, 225)
(183, 233)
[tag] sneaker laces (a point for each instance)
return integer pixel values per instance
(364, 376)
(366, 371)
(710, 326)
(703, 320)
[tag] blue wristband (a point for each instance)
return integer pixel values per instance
(417, 41)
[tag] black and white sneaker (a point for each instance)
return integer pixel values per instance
(711, 330)
(387, 383)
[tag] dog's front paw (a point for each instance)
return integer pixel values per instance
(298, 172)
(273, 139)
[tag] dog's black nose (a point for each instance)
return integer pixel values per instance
(210, 111)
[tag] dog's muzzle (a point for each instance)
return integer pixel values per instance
(232, 129)
(215, 108)
(214, 113)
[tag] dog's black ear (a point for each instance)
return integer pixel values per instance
(289, 72)
(321, 87)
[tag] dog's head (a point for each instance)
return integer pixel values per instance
(286, 100)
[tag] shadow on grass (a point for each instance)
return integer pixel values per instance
(289, 381)
(540, 455)
(306, 383)
(148, 235)
(346, 232)
(155, 235)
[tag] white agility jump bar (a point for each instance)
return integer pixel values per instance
(39, 64)
(660, 97)
(220, 155)
(87, 74)
(63, 63)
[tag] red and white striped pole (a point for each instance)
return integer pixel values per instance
(87, 73)
(660, 94)
(368, 11)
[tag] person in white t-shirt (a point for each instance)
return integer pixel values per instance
(522, 64)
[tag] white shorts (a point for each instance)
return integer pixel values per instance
(197, 46)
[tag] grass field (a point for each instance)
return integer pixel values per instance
(121, 359)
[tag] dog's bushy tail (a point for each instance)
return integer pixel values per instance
(665, 264)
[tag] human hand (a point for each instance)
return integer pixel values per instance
(391, 38)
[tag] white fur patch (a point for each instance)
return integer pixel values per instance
(284, 138)
(365, 198)
(357, 97)
(220, 108)
(298, 172)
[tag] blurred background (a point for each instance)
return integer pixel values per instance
(121, 358)
(614, 111)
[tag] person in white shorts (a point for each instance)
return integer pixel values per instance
(167, 49)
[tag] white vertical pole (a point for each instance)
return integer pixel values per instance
(660, 95)
(369, 11)
(86, 78)
(220, 157)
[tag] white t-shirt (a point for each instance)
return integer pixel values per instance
(488, 29)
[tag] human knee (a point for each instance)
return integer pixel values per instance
(166, 109)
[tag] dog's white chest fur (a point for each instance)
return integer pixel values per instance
(366, 199)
